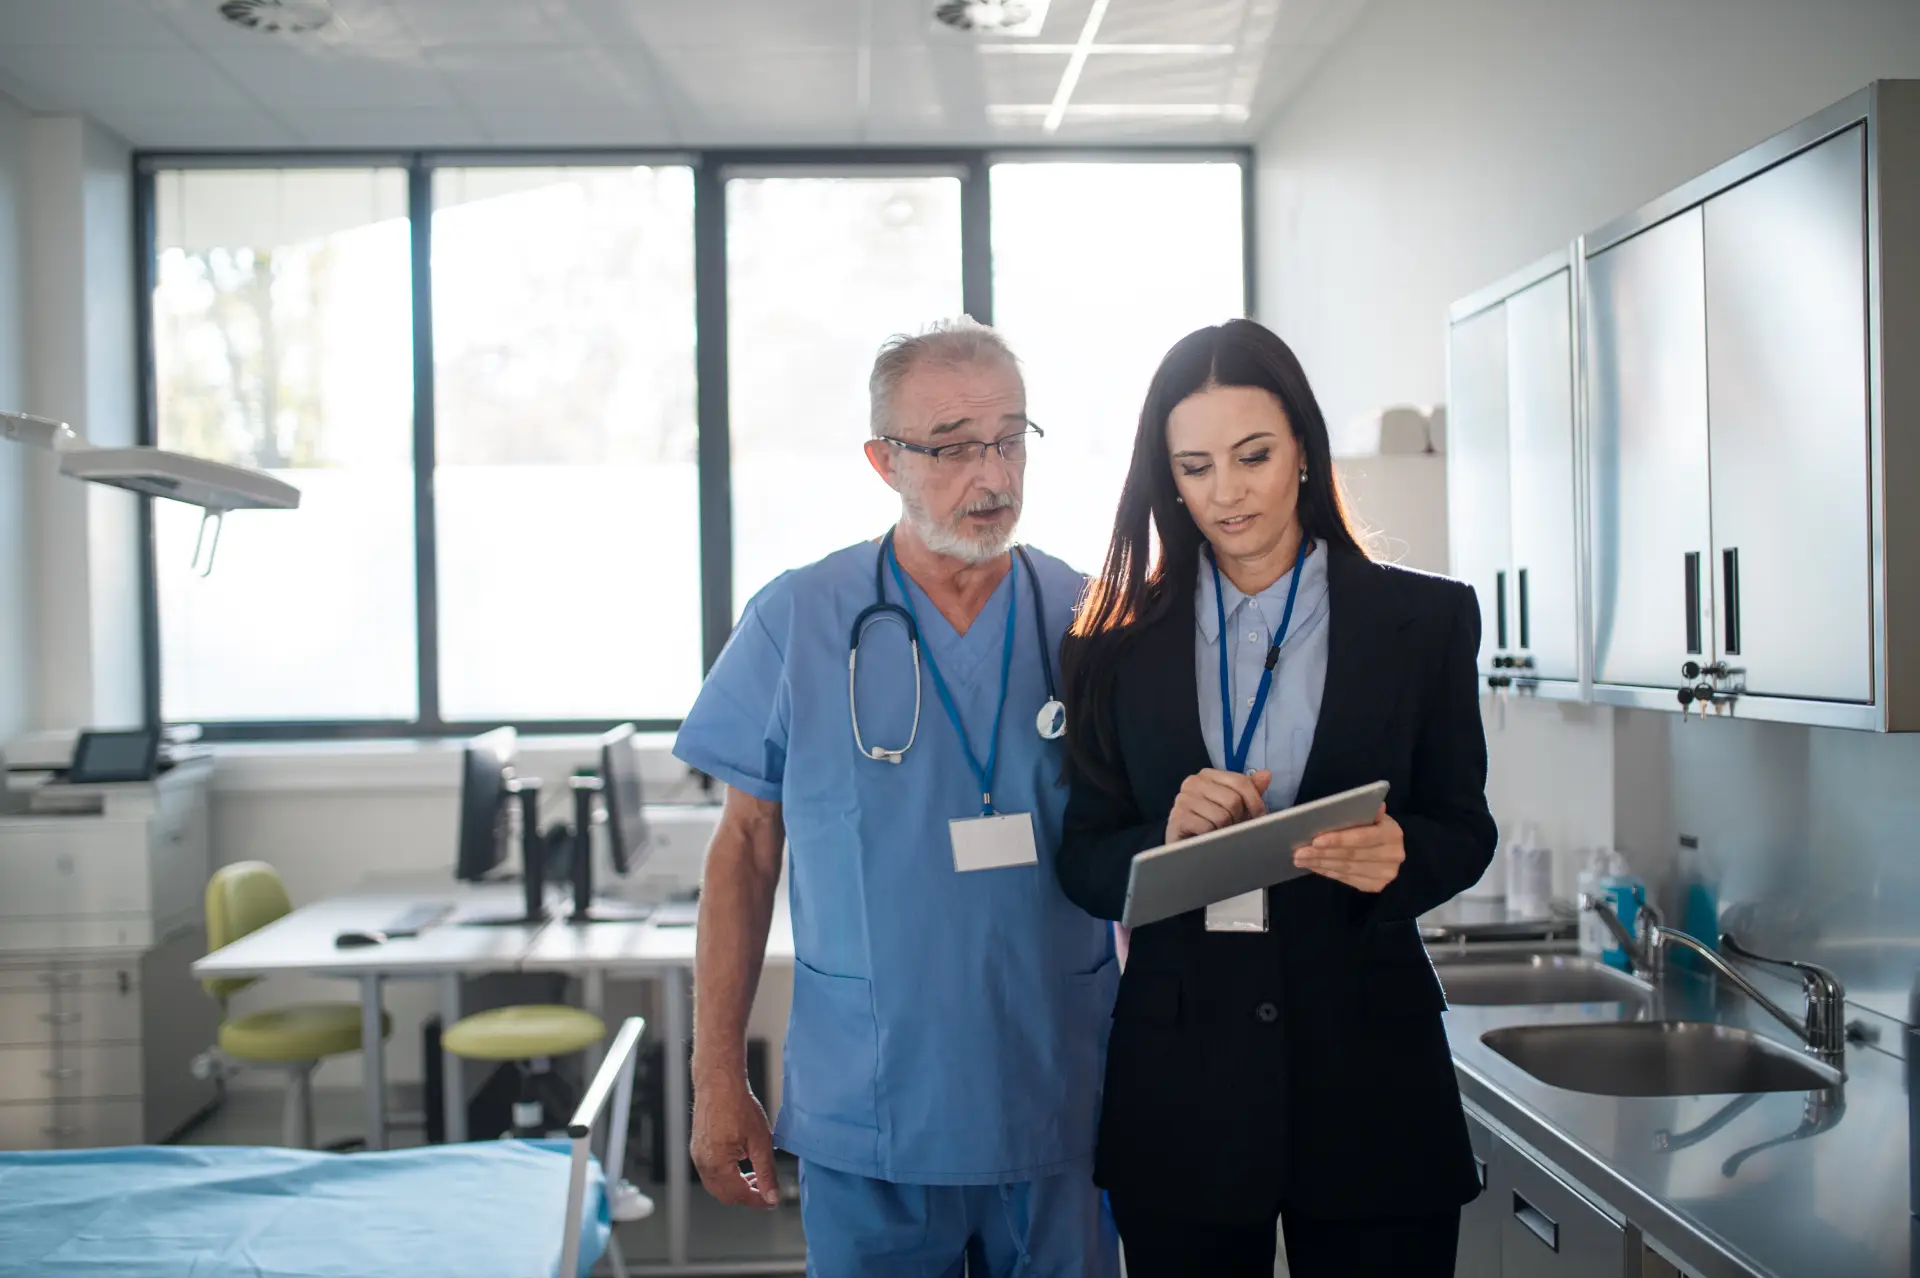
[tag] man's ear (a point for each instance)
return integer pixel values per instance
(880, 457)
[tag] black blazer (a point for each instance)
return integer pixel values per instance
(1305, 1067)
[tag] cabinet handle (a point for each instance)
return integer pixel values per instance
(1693, 603)
(1730, 569)
(1500, 609)
(60, 1018)
(1538, 1223)
(1480, 1170)
(61, 1075)
(1526, 640)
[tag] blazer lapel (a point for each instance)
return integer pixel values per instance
(1361, 690)
(1166, 658)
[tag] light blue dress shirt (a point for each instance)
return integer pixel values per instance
(1285, 735)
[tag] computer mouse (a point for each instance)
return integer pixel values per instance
(354, 940)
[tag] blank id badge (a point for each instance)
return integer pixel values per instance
(995, 842)
(1244, 913)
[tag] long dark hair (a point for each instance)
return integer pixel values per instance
(1130, 594)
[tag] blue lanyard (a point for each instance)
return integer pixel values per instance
(1236, 760)
(982, 774)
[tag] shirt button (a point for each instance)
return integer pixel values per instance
(1253, 636)
(1267, 1013)
(1249, 703)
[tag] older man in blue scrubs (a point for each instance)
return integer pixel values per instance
(945, 1053)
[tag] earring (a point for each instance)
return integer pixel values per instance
(1303, 474)
(1181, 500)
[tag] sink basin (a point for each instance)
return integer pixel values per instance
(1541, 978)
(1658, 1058)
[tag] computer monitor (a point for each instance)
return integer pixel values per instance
(486, 766)
(621, 795)
(618, 790)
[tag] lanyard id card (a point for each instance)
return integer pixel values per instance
(995, 842)
(1244, 913)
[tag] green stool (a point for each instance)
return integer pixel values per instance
(244, 898)
(529, 1035)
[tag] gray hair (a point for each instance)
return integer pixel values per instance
(962, 340)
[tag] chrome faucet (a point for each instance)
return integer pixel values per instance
(1823, 1029)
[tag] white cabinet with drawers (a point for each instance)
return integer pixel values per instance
(100, 918)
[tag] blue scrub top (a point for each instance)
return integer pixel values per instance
(947, 1027)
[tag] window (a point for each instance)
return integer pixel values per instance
(565, 564)
(820, 272)
(281, 334)
(566, 485)
(1097, 270)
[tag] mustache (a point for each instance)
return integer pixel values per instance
(987, 503)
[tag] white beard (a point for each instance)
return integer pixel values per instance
(950, 540)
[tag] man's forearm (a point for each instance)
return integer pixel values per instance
(736, 912)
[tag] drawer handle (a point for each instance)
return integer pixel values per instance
(59, 978)
(1538, 1223)
(60, 1018)
(62, 1131)
(62, 1074)
(1480, 1170)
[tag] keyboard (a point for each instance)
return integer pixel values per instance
(419, 918)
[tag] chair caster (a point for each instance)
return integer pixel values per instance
(626, 1204)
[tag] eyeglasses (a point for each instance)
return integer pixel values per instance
(1012, 448)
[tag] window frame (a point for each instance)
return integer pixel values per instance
(710, 168)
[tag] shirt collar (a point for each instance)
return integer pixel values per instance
(1273, 599)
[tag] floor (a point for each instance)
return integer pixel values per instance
(718, 1233)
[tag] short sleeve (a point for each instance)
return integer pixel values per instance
(737, 729)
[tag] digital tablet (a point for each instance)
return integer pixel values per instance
(1220, 864)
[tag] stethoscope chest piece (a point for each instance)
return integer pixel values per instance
(1052, 720)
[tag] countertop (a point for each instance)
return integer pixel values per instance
(1721, 1182)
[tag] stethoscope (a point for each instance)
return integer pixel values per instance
(1051, 722)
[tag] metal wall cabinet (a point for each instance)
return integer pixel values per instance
(100, 920)
(1550, 1230)
(1513, 490)
(1752, 374)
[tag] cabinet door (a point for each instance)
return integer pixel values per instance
(1787, 408)
(1480, 1220)
(1478, 519)
(1544, 585)
(1647, 426)
(1550, 1230)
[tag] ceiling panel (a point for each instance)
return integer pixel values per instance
(492, 23)
(601, 126)
(199, 21)
(61, 78)
(737, 24)
(96, 24)
(359, 78)
(389, 127)
(151, 128)
(1155, 79)
(796, 91)
(535, 79)
(1188, 22)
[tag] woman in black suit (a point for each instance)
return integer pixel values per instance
(1296, 1066)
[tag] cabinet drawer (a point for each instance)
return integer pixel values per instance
(84, 1124)
(86, 1006)
(46, 1073)
(1548, 1229)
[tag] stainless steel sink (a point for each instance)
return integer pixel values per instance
(1538, 978)
(1658, 1058)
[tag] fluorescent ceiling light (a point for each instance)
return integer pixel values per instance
(1096, 50)
(1075, 65)
(1124, 111)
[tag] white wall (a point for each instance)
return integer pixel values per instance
(17, 647)
(1442, 145)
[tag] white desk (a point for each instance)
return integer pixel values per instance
(303, 942)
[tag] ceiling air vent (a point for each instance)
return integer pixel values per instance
(278, 17)
(993, 17)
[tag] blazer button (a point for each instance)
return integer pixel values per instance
(1267, 1013)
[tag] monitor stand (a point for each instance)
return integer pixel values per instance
(533, 866)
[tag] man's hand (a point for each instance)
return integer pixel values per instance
(1212, 800)
(729, 1127)
(1367, 857)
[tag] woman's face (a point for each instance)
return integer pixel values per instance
(1237, 467)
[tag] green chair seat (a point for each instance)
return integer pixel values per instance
(523, 1033)
(299, 1032)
